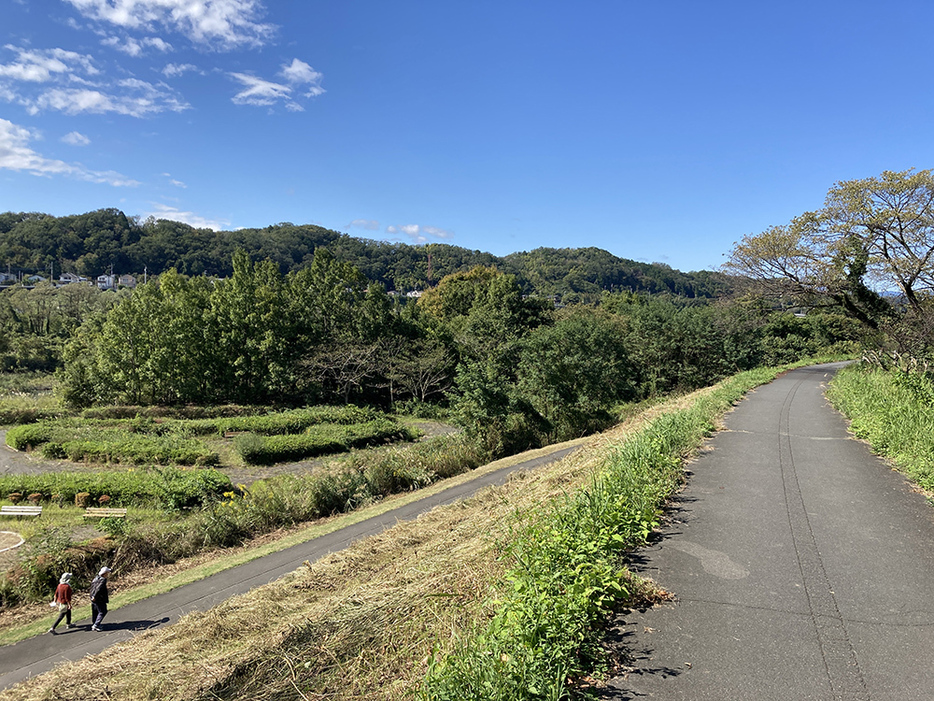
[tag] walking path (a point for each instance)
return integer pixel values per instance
(37, 655)
(802, 566)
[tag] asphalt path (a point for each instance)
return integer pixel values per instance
(800, 563)
(36, 655)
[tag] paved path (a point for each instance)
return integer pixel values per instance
(803, 568)
(37, 655)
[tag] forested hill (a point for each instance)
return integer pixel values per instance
(89, 244)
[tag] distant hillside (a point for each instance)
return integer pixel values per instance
(89, 244)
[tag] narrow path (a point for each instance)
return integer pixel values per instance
(37, 655)
(801, 566)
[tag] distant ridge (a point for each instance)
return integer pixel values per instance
(89, 244)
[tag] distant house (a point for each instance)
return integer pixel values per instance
(414, 294)
(126, 281)
(7, 279)
(106, 282)
(68, 278)
(34, 279)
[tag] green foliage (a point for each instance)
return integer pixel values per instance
(571, 372)
(320, 439)
(892, 410)
(43, 559)
(169, 488)
(285, 422)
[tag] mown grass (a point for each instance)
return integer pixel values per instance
(370, 621)
(894, 412)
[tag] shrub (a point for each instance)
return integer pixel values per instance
(15, 497)
(28, 436)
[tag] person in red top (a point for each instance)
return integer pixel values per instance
(63, 599)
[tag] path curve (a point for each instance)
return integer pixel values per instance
(801, 565)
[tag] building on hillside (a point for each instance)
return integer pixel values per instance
(126, 281)
(107, 282)
(69, 278)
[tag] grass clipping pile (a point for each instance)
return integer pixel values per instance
(361, 623)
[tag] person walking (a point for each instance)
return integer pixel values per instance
(99, 598)
(63, 599)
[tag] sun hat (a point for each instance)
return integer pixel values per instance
(65, 578)
(104, 570)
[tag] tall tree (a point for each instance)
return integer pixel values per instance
(872, 235)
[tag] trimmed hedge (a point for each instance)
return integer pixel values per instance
(170, 487)
(287, 422)
(319, 440)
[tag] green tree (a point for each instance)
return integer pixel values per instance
(873, 234)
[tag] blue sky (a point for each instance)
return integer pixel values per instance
(662, 131)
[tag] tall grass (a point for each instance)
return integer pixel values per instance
(566, 568)
(892, 410)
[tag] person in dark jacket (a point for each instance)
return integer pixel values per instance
(63, 600)
(99, 598)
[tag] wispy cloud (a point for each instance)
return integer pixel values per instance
(173, 181)
(16, 154)
(300, 73)
(35, 66)
(65, 81)
(75, 138)
(420, 234)
(298, 76)
(163, 211)
(137, 99)
(259, 92)
(173, 70)
(137, 47)
(218, 24)
(368, 224)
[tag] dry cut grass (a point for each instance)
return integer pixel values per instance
(358, 624)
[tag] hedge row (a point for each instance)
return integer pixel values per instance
(286, 422)
(170, 488)
(318, 440)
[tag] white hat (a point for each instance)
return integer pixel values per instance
(104, 570)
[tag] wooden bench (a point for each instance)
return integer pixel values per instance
(20, 510)
(102, 512)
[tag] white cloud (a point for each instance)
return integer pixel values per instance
(15, 154)
(135, 48)
(76, 139)
(61, 80)
(34, 66)
(368, 224)
(219, 24)
(174, 214)
(173, 70)
(260, 92)
(263, 93)
(300, 73)
(138, 99)
(173, 181)
(420, 234)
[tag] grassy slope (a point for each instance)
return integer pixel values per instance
(894, 413)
